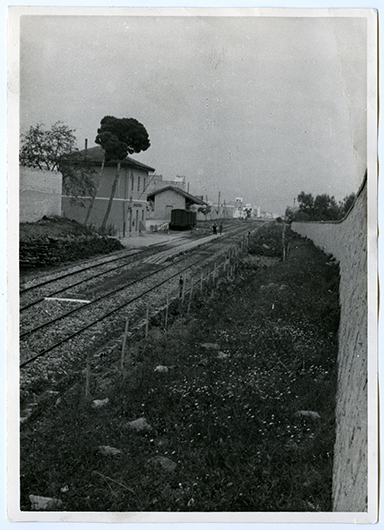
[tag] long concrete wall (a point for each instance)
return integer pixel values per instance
(347, 242)
(40, 194)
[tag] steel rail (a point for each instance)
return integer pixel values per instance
(128, 254)
(110, 293)
(121, 306)
(39, 300)
(109, 313)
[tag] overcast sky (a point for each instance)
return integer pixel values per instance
(258, 107)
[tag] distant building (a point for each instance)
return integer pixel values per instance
(156, 182)
(128, 212)
(164, 200)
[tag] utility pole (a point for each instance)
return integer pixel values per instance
(218, 205)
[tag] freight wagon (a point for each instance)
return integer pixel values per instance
(182, 220)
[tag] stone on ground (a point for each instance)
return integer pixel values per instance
(98, 403)
(140, 424)
(166, 463)
(210, 346)
(44, 503)
(106, 450)
(308, 414)
(161, 369)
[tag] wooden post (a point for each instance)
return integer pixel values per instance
(88, 375)
(124, 341)
(283, 241)
(166, 313)
(183, 290)
(190, 295)
(147, 322)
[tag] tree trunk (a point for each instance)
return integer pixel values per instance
(113, 189)
(94, 195)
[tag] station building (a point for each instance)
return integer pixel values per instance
(129, 208)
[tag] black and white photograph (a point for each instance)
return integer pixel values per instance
(192, 208)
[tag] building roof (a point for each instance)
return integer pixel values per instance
(95, 155)
(188, 196)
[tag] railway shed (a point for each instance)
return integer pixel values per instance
(166, 199)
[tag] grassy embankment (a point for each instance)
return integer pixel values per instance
(234, 421)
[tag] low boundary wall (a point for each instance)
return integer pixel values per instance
(346, 240)
(40, 194)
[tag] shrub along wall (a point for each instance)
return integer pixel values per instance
(347, 242)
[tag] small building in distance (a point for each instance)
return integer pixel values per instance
(156, 182)
(166, 199)
(129, 208)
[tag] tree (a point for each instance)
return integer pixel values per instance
(325, 208)
(305, 201)
(55, 150)
(118, 137)
(43, 149)
(346, 204)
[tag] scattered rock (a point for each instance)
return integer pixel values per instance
(106, 450)
(222, 355)
(203, 362)
(269, 286)
(161, 369)
(166, 463)
(139, 425)
(266, 246)
(98, 403)
(44, 503)
(308, 414)
(64, 489)
(210, 346)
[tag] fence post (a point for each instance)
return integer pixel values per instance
(283, 240)
(181, 282)
(147, 322)
(183, 289)
(190, 295)
(166, 314)
(88, 374)
(124, 341)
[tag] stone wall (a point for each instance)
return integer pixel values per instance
(347, 242)
(40, 194)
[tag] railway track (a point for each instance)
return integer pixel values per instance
(56, 337)
(37, 292)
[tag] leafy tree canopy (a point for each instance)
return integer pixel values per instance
(121, 136)
(43, 149)
(319, 208)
